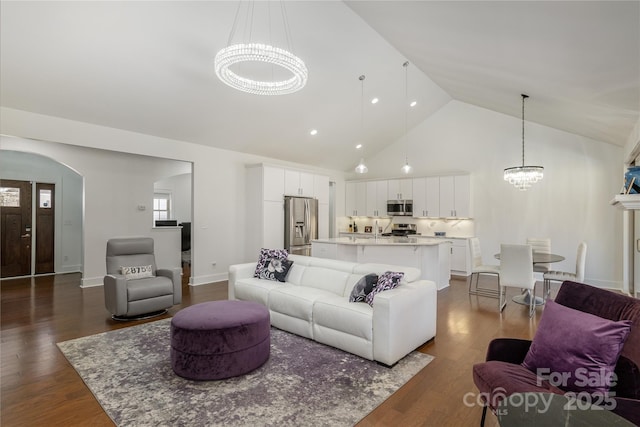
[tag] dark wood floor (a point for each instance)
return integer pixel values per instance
(39, 386)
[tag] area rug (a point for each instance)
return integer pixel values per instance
(302, 383)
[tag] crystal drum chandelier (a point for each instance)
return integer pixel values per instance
(523, 177)
(240, 53)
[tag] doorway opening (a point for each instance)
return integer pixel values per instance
(27, 227)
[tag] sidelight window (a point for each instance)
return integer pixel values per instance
(45, 199)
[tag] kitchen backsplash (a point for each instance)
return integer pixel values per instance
(426, 226)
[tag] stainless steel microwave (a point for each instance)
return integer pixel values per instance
(400, 207)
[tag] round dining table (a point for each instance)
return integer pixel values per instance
(538, 258)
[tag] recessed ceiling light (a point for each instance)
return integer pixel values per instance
(359, 146)
(375, 100)
(313, 132)
(413, 103)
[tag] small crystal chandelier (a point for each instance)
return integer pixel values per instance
(406, 169)
(361, 168)
(522, 177)
(259, 52)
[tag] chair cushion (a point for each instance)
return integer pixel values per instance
(150, 287)
(579, 350)
(497, 380)
(488, 269)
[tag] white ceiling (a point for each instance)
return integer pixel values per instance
(148, 67)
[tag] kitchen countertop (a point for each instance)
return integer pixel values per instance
(417, 236)
(382, 241)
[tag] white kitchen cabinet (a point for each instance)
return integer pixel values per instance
(324, 250)
(426, 197)
(355, 199)
(297, 183)
(455, 197)
(264, 209)
(400, 189)
(273, 224)
(376, 198)
(460, 257)
(463, 196)
(273, 185)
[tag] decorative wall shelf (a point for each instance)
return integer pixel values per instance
(626, 201)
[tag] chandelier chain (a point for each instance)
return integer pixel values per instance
(287, 29)
(234, 27)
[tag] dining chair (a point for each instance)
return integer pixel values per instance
(561, 276)
(478, 268)
(516, 271)
(540, 245)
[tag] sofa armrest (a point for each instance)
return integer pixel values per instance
(511, 350)
(404, 318)
(175, 275)
(115, 294)
(239, 271)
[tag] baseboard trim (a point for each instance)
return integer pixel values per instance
(91, 282)
(211, 278)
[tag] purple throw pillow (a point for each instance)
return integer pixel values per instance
(266, 255)
(387, 280)
(576, 351)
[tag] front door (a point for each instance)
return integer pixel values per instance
(15, 228)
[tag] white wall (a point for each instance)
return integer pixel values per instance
(218, 186)
(571, 203)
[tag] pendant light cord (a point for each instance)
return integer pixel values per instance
(523, 98)
(406, 110)
(361, 78)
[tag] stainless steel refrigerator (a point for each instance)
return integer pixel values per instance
(300, 224)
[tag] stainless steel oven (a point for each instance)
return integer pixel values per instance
(400, 207)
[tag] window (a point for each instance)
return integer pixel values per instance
(9, 197)
(45, 199)
(161, 206)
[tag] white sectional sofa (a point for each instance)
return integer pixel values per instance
(314, 303)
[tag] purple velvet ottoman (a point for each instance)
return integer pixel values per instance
(219, 339)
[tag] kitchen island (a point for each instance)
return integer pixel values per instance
(431, 256)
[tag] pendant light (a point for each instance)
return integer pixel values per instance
(249, 51)
(361, 168)
(406, 169)
(523, 177)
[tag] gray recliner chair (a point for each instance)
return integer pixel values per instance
(144, 291)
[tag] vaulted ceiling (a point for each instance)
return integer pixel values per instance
(147, 67)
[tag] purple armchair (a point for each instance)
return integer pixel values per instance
(503, 372)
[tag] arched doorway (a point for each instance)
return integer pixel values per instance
(41, 215)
